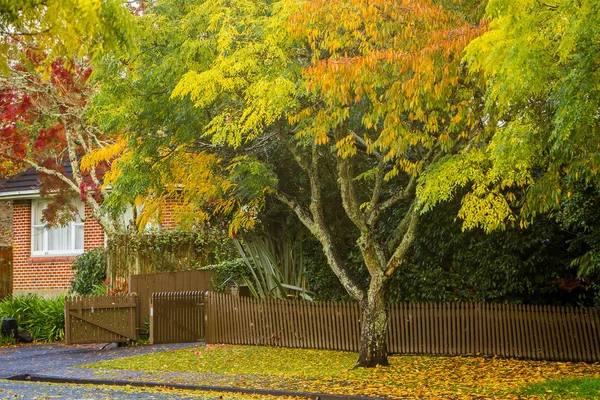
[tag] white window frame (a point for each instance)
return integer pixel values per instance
(73, 225)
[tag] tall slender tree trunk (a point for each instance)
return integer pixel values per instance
(374, 308)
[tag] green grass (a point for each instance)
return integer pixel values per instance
(581, 388)
(333, 372)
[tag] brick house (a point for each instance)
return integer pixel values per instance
(42, 256)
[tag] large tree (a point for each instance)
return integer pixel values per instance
(324, 106)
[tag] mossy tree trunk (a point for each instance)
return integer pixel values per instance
(373, 349)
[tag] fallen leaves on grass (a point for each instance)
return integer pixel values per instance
(333, 372)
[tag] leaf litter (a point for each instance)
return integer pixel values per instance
(326, 371)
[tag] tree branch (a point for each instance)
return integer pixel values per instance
(348, 191)
(408, 227)
(52, 172)
(379, 209)
(315, 220)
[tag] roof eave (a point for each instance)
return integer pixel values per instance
(21, 194)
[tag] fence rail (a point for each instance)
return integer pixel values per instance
(100, 319)
(523, 331)
(176, 317)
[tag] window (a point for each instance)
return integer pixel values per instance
(62, 240)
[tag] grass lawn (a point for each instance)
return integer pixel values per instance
(408, 376)
(584, 388)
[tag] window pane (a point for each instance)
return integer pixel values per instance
(59, 238)
(37, 206)
(78, 237)
(38, 239)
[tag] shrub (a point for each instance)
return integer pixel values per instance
(90, 271)
(227, 272)
(7, 341)
(42, 317)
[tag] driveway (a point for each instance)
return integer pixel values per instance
(40, 359)
(37, 390)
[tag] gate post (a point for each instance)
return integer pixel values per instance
(67, 320)
(152, 322)
(208, 324)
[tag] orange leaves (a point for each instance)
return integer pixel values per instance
(397, 63)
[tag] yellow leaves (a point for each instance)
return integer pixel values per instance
(346, 146)
(332, 372)
(152, 207)
(488, 210)
(202, 87)
(321, 138)
(104, 154)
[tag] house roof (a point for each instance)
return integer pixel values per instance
(25, 184)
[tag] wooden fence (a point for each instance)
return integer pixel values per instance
(532, 332)
(183, 281)
(176, 317)
(5, 271)
(100, 319)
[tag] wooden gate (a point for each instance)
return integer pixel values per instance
(5, 271)
(101, 319)
(182, 281)
(177, 317)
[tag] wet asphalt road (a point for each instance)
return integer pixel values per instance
(37, 359)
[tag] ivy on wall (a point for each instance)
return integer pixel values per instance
(165, 251)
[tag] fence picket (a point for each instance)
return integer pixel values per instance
(535, 332)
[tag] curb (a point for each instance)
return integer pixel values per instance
(227, 389)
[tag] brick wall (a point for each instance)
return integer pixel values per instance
(38, 274)
(169, 214)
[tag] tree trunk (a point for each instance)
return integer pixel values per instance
(373, 342)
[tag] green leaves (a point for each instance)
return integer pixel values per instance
(275, 267)
(90, 271)
(68, 29)
(541, 64)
